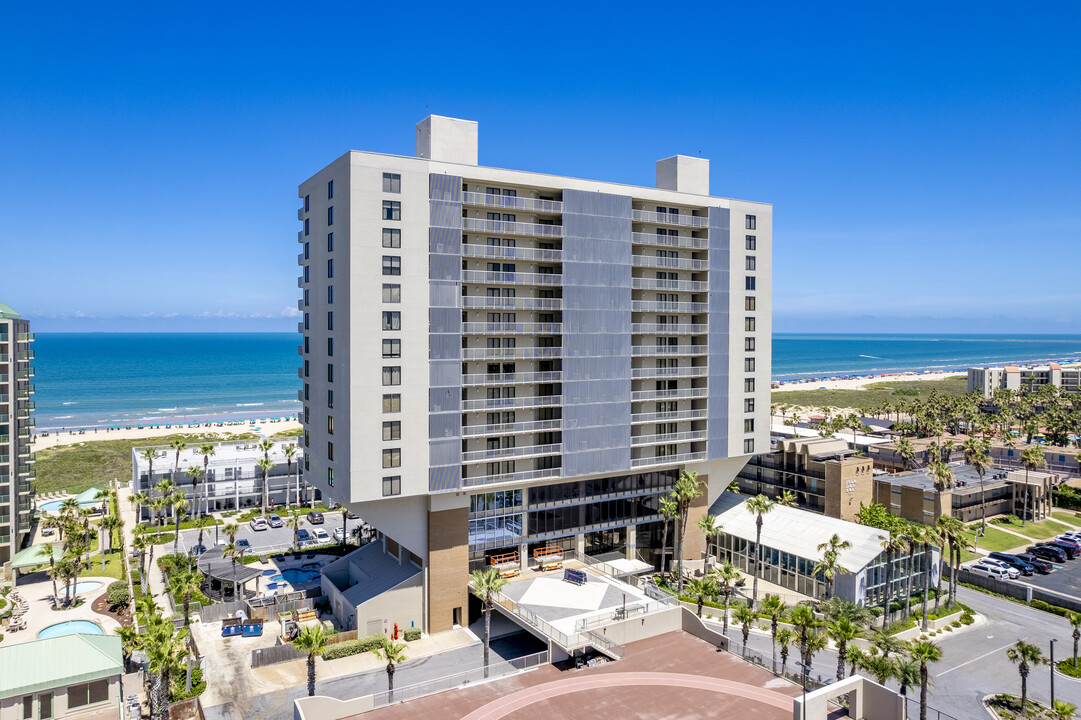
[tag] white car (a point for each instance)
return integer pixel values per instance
(1013, 572)
(991, 571)
(258, 523)
(339, 534)
(320, 535)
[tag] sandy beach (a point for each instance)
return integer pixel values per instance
(70, 437)
(858, 382)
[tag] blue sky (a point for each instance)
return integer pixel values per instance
(924, 160)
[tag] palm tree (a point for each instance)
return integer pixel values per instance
(843, 631)
(177, 444)
(700, 589)
(130, 641)
(1075, 623)
(294, 522)
(345, 517)
(924, 652)
(891, 545)
(785, 639)
(905, 451)
(855, 657)
(907, 672)
(179, 504)
(54, 574)
(804, 620)
(183, 583)
(264, 466)
(882, 667)
(759, 505)
(828, 566)
(1063, 710)
(206, 450)
(816, 642)
(1031, 458)
(394, 654)
(669, 508)
(232, 552)
(312, 640)
(201, 524)
(148, 455)
(709, 527)
(686, 490)
(266, 445)
(1025, 656)
(952, 532)
(140, 544)
(913, 539)
(744, 616)
(486, 585)
(290, 451)
(163, 648)
(775, 608)
(976, 455)
(886, 643)
(139, 500)
(726, 574)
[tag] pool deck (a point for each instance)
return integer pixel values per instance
(37, 588)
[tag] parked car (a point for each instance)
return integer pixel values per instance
(303, 537)
(274, 521)
(991, 571)
(1013, 561)
(352, 515)
(339, 534)
(258, 523)
(196, 550)
(1047, 552)
(315, 517)
(1014, 573)
(1040, 565)
(1069, 548)
(321, 535)
(1069, 541)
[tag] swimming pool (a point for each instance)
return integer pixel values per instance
(85, 587)
(295, 576)
(54, 506)
(71, 627)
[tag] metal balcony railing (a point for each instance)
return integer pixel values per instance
(25, 337)
(511, 353)
(642, 283)
(485, 302)
(525, 328)
(511, 253)
(667, 459)
(666, 438)
(686, 220)
(510, 278)
(511, 228)
(677, 394)
(526, 401)
(512, 477)
(666, 329)
(511, 202)
(642, 373)
(512, 378)
(300, 213)
(667, 262)
(652, 350)
(699, 414)
(680, 241)
(514, 428)
(475, 456)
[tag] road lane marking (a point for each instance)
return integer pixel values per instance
(967, 662)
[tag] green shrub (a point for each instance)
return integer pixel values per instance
(966, 618)
(118, 593)
(354, 647)
(177, 690)
(412, 634)
(1066, 667)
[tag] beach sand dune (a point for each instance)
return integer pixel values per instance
(70, 437)
(859, 382)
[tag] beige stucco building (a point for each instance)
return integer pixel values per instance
(986, 380)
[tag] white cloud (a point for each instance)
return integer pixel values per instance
(290, 311)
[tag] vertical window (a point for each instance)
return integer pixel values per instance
(748, 364)
(748, 385)
(307, 203)
(307, 297)
(330, 190)
(307, 250)
(305, 368)
(330, 474)
(392, 348)
(392, 375)
(330, 347)
(392, 210)
(330, 320)
(749, 303)
(748, 405)
(307, 273)
(330, 215)
(752, 222)
(750, 282)
(330, 399)
(392, 430)
(392, 485)
(748, 425)
(752, 242)
(330, 294)
(307, 391)
(748, 446)
(751, 263)
(330, 242)
(330, 268)
(330, 372)
(748, 344)
(392, 265)
(392, 293)
(392, 458)
(28, 707)
(392, 321)
(392, 403)
(307, 226)
(748, 324)
(307, 349)
(330, 424)
(45, 706)
(392, 238)
(306, 317)
(392, 182)
(330, 450)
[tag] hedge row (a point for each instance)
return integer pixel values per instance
(412, 634)
(354, 647)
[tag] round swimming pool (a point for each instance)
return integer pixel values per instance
(295, 576)
(71, 627)
(85, 587)
(54, 506)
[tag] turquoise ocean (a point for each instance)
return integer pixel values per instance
(106, 379)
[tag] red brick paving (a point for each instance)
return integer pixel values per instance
(743, 693)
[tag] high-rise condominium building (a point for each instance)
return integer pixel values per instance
(495, 360)
(16, 460)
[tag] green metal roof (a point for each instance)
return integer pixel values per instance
(35, 555)
(7, 312)
(90, 495)
(57, 662)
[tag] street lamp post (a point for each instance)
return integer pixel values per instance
(805, 670)
(1052, 672)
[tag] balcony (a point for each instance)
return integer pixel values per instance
(525, 401)
(25, 374)
(4, 439)
(5, 358)
(511, 378)
(699, 414)
(511, 253)
(667, 262)
(666, 350)
(668, 459)
(698, 221)
(4, 459)
(510, 278)
(510, 202)
(484, 302)
(300, 304)
(25, 356)
(300, 258)
(476, 456)
(514, 353)
(677, 394)
(300, 281)
(25, 337)
(483, 328)
(680, 241)
(516, 477)
(300, 350)
(23, 394)
(4, 398)
(658, 329)
(300, 395)
(300, 213)
(643, 283)
(505, 227)
(665, 438)
(511, 428)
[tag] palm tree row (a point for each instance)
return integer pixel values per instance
(167, 650)
(76, 536)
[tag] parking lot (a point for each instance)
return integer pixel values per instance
(1065, 579)
(271, 539)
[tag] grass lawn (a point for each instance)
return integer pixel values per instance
(1041, 530)
(871, 396)
(94, 463)
(995, 540)
(1068, 517)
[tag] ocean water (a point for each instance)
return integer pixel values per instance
(102, 379)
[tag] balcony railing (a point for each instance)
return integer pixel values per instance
(670, 218)
(677, 307)
(667, 262)
(512, 378)
(668, 459)
(300, 281)
(699, 414)
(300, 258)
(677, 394)
(25, 356)
(511, 228)
(4, 398)
(510, 278)
(512, 477)
(511, 253)
(680, 241)
(25, 337)
(531, 328)
(511, 428)
(641, 373)
(665, 329)
(652, 350)
(641, 283)
(300, 213)
(484, 302)
(511, 353)
(511, 202)
(475, 456)
(665, 438)
(526, 401)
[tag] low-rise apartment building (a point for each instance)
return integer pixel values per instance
(70, 676)
(1018, 378)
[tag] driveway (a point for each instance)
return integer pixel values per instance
(269, 538)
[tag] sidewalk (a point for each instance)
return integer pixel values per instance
(153, 576)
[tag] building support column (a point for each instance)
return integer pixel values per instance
(580, 544)
(632, 542)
